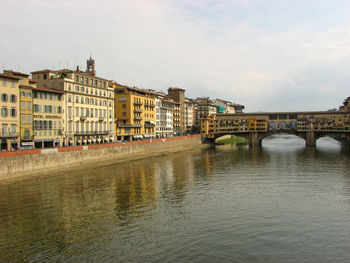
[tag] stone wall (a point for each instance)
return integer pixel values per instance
(17, 163)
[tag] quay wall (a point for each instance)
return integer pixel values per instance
(17, 163)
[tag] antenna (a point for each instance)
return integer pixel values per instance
(59, 64)
(18, 67)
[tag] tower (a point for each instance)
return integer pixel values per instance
(90, 67)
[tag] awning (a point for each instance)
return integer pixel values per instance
(94, 140)
(48, 140)
(57, 140)
(84, 141)
(89, 141)
(27, 143)
(38, 141)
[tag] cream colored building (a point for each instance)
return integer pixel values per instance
(190, 115)
(48, 117)
(9, 104)
(88, 104)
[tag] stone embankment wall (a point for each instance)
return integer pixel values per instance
(17, 163)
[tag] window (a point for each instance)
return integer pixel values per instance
(87, 112)
(69, 87)
(13, 84)
(77, 88)
(4, 97)
(82, 112)
(81, 99)
(69, 98)
(13, 98)
(91, 101)
(70, 111)
(29, 105)
(104, 84)
(92, 112)
(100, 84)
(96, 112)
(76, 78)
(29, 94)
(124, 113)
(76, 111)
(100, 113)
(81, 79)
(13, 112)
(82, 89)
(91, 82)
(77, 126)
(23, 94)
(44, 76)
(124, 106)
(23, 118)
(87, 100)
(104, 113)
(86, 81)
(104, 103)
(77, 99)
(4, 82)
(110, 103)
(59, 109)
(29, 118)
(87, 90)
(23, 105)
(96, 83)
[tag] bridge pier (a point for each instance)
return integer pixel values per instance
(310, 140)
(254, 140)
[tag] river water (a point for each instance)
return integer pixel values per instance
(280, 203)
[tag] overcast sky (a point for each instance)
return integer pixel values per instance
(282, 55)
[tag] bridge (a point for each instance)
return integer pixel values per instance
(309, 126)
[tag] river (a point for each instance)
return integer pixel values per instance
(280, 203)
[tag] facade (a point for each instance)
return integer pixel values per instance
(25, 112)
(9, 104)
(178, 95)
(48, 117)
(26, 116)
(88, 104)
(164, 115)
(346, 105)
(190, 115)
(205, 107)
(135, 113)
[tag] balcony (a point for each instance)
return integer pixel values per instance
(88, 133)
(5, 134)
(83, 118)
(101, 118)
(149, 105)
(138, 110)
(137, 103)
(28, 138)
(129, 125)
(139, 118)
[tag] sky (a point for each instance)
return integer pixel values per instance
(271, 55)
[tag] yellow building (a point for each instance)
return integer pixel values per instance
(134, 113)
(9, 104)
(26, 86)
(26, 119)
(48, 117)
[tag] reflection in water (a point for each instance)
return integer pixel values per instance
(279, 203)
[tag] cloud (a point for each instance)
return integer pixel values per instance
(272, 56)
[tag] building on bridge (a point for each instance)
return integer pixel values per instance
(256, 126)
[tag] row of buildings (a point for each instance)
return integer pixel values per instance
(53, 108)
